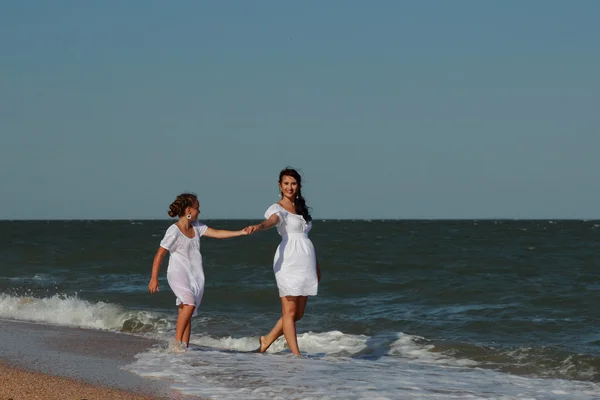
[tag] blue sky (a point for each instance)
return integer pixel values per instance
(390, 109)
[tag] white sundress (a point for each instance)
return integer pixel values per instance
(185, 273)
(295, 262)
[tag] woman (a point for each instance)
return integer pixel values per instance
(295, 264)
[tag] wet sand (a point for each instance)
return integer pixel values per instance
(17, 384)
(48, 362)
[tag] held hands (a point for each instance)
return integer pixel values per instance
(153, 286)
(251, 229)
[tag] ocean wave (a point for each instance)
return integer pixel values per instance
(336, 344)
(75, 312)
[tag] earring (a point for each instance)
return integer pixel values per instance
(189, 216)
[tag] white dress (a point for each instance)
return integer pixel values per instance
(185, 273)
(295, 262)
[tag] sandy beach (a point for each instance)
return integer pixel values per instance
(39, 361)
(17, 384)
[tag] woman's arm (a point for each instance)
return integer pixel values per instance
(266, 224)
(223, 234)
(153, 285)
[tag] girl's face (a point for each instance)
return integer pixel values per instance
(288, 187)
(194, 211)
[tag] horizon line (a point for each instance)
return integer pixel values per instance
(318, 219)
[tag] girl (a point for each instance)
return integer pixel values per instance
(185, 273)
(297, 271)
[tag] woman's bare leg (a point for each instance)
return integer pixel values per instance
(267, 341)
(288, 309)
(300, 306)
(277, 331)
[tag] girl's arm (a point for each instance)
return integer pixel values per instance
(266, 224)
(223, 234)
(153, 285)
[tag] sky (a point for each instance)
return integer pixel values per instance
(389, 109)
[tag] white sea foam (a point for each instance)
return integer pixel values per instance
(72, 311)
(227, 371)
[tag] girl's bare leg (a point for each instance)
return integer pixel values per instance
(186, 334)
(184, 323)
(277, 331)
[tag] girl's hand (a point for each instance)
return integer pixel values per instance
(243, 232)
(251, 229)
(153, 286)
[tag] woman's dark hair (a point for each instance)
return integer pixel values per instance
(183, 201)
(301, 207)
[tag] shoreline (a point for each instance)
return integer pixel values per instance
(41, 361)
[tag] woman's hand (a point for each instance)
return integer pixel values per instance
(153, 286)
(251, 229)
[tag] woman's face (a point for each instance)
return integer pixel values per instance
(288, 187)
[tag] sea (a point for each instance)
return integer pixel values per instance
(406, 309)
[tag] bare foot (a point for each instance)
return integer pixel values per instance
(177, 347)
(263, 344)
